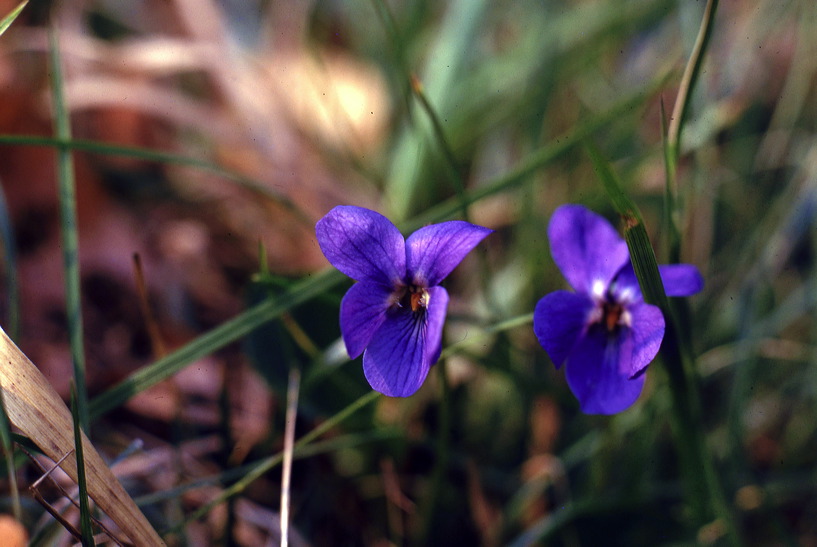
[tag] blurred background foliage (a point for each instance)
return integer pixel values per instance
(270, 113)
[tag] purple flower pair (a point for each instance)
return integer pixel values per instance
(396, 310)
(604, 332)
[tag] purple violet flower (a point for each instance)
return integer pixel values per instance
(605, 331)
(396, 310)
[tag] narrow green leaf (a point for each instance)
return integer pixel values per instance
(536, 160)
(10, 265)
(688, 80)
(450, 161)
(641, 251)
(671, 135)
(147, 154)
(672, 237)
(6, 22)
(8, 453)
(217, 338)
(446, 62)
(68, 229)
(705, 493)
(84, 508)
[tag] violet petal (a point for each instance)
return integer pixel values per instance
(435, 318)
(678, 280)
(398, 358)
(559, 320)
(594, 375)
(647, 332)
(432, 252)
(587, 249)
(625, 287)
(362, 312)
(363, 244)
(681, 279)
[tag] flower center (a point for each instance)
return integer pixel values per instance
(414, 297)
(419, 299)
(612, 313)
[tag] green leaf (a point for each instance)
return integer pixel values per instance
(209, 342)
(68, 229)
(6, 22)
(641, 251)
(8, 453)
(84, 508)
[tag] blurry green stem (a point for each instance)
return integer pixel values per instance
(70, 240)
(454, 41)
(672, 142)
(8, 453)
(688, 80)
(68, 143)
(449, 160)
(705, 493)
(702, 481)
(397, 42)
(10, 263)
(507, 324)
(440, 458)
(84, 507)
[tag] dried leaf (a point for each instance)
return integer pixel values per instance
(36, 409)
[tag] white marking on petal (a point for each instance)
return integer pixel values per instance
(595, 315)
(598, 289)
(626, 318)
(626, 296)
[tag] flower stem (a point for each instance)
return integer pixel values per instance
(703, 484)
(441, 459)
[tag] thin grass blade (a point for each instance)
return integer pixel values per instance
(10, 265)
(641, 251)
(68, 229)
(84, 507)
(6, 22)
(8, 454)
(688, 80)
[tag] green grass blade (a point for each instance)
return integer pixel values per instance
(688, 80)
(147, 154)
(672, 237)
(641, 251)
(705, 493)
(84, 507)
(671, 136)
(217, 338)
(68, 229)
(6, 22)
(536, 160)
(8, 454)
(458, 31)
(10, 264)
(450, 161)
